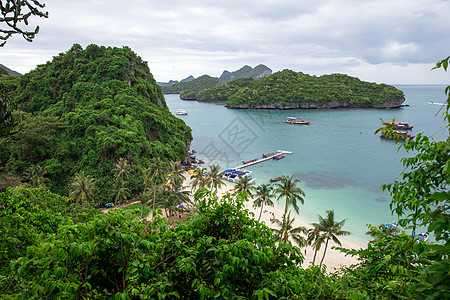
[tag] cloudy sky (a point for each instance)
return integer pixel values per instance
(390, 41)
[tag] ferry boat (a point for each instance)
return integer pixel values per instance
(402, 125)
(181, 112)
(276, 178)
(295, 120)
(401, 134)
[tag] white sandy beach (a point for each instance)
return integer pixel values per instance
(333, 258)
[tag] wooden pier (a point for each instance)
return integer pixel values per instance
(263, 159)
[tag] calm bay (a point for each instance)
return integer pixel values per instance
(339, 160)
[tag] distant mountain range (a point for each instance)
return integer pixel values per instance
(205, 81)
(9, 71)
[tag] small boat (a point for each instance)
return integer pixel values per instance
(278, 156)
(422, 236)
(249, 161)
(402, 125)
(269, 154)
(295, 120)
(234, 175)
(436, 103)
(403, 135)
(276, 178)
(181, 112)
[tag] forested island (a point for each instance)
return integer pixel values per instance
(291, 90)
(83, 111)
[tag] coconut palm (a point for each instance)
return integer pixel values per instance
(120, 192)
(121, 168)
(156, 171)
(330, 230)
(199, 179)
(174, 170)
(286, 230)
(214, 178)
(244, 185)
(35, 176)
(263, 195)
(315, 239)
(170, 197)
(82, 188)
(288, 189)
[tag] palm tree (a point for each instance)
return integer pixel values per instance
(330, 229)
(263, 196)
(244, 185)
(214, 179)
(121, 192)
(35, 176)
(315, 239)
(82, 188)
(287, 231)
(172, 196)
(156, 171)
(288, 189)
(175, 171)
(121, 168)
(199, 179)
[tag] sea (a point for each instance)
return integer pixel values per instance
(340, 162)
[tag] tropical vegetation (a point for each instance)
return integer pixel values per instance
(289, 89)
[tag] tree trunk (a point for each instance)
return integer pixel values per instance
(260, 213)
(324, 252)
(154, 196)
(314, 258)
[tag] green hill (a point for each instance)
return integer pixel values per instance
(196, 85)
(86, 109)
(288, 90)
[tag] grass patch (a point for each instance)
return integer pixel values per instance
(136, 208)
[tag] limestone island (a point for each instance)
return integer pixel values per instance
(295, 90)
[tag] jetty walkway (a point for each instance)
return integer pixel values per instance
(258, 160)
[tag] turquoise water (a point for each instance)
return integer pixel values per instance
(340, 163)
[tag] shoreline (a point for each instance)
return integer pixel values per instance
(333, 258)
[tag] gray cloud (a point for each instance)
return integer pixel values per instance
(180, 38)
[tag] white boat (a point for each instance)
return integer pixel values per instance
(181, 112)
(234, 175)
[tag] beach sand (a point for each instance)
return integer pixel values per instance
(333, 258)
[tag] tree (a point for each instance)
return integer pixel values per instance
(175, 171)
(263, 195)
(155, 173)
(13, 13)
(120, 192)
(330, 229)
(315, 239)
(288, 189)
(9, 124)
(214, 179)
(199, 179)
(82, 188)
(244, 185)
(122, 167)
(35, 176)
(287, 231)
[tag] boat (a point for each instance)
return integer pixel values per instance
(436, 103)
(402, 125)
(249, 161)
(403, 135)
(276, 178)
(296, 120)
(422, 236)
(269, 154)
(234, 175)
(278, 156)
(181, 112)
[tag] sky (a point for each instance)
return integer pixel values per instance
(383, 41)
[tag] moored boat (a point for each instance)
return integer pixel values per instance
(269, 154)
(278, 156)
(249, 161)
(296, 120)
(422, 236)
(234, 175)
(276, 178)
(402, 125)
(181, 112)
